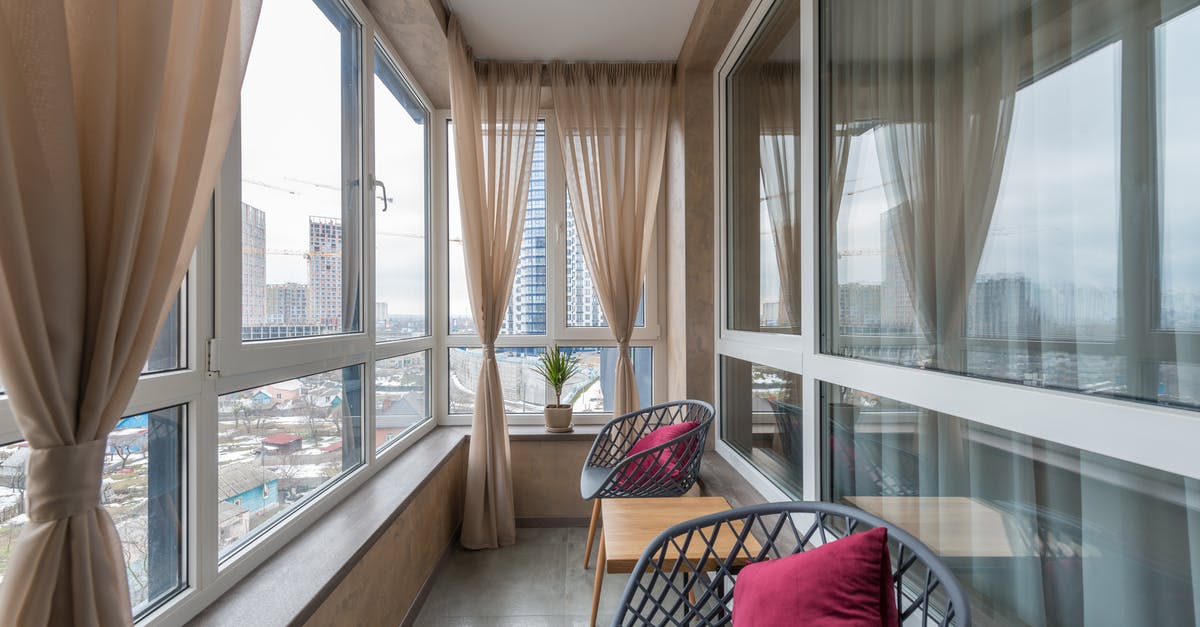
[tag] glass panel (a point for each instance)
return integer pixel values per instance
(526, 313)
(400, 171)
(987, 215)
(142, 491)
(583, 303)
(591, 391)
(401, 396)
(1177, 46)
(280, 444)
(524, 389)
(301, 190)
(764, 233)
(1057, 536)
(763, 419)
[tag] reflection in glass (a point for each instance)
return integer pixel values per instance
(762, 418)
(301, 257)
(401, 396)
(400, 172)
(591, 391)
(526, 312)
(764, 177)
(142, 491)
(524, 390)
(1051, 539)
(280, 444)
(1177, 47)
(985, 205)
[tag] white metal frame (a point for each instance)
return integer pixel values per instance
(1158, 437)
(557, 331)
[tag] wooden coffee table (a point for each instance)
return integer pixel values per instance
(629, 525)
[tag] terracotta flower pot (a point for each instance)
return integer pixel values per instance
(558, 418)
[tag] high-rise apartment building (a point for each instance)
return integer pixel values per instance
(287, 304)
(325, 272)
(254, 265)
(583, 305)
(527, 307)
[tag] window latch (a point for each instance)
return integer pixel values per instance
(378, 183)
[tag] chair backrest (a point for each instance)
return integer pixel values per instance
(699, 589)
(669, 470)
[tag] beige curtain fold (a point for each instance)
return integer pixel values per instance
(114, 119)
(495, 111)
(612, 127)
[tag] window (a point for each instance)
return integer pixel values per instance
(1177, 100)
(553, 302)
(762, 199)
(280, 444)
(762, 419)
(583, 303)
(301, 258)
(142, 491)
(591, 390)
(526, 312)
(400, 206)
(1020, 251)
(523, 388)
(1048, 522)
(401, 396)
(999, 197)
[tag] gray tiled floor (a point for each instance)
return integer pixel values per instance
(538, 582)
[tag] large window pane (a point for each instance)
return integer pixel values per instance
(991, 213)
(1057, 536)
(762, 418)
(583, 303)
(526, 313)
(591, 391)
(280, 444)
(142, 490)
(400, 172)
(301, 179)
(401, 396)
(524, 389)
(764, 125)
(1177, 47)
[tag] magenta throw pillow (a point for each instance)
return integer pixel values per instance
(675, 463)
(846, 583)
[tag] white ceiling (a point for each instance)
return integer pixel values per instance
(575, 30)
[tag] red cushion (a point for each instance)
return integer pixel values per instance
(676, 464)
(845, 583)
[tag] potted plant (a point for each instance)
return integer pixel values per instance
(557, 367)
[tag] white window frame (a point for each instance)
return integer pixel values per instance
(1154, 436)
(557, 332)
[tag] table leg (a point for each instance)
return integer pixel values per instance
(600, 568)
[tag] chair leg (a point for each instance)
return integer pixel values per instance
(600, 568)
(587, 552)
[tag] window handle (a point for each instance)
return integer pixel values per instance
(378, 183)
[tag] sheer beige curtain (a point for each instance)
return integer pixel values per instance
(495, 111)
(612, 127)
(114, 119)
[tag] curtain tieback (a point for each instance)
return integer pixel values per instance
(64, 481)
(489, 351)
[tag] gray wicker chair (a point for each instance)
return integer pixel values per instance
(606, 473)
(673, 591)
